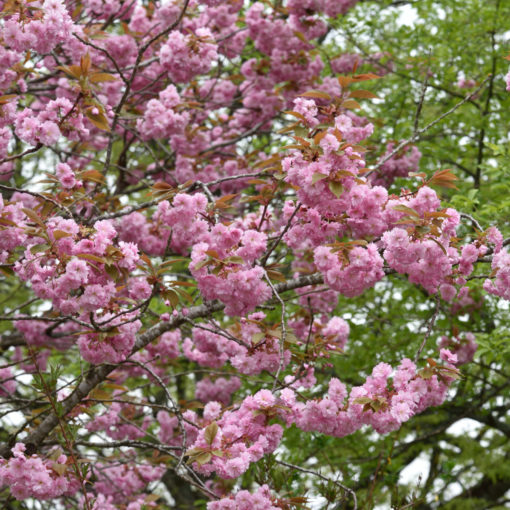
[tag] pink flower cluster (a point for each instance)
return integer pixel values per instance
(363, 269)
(309, 229)
(387, 399)
(223, 268)
(7, 382)
(333, 333)
(167, 347)
(501, 266)
(428, 260)
(130, 478)
(218, 390)
(185, 56)
(66, 176)
(468, 256)
(398, 165)
(76, 261)
(34, 477)
(243, 436)
(209, 349)
(261, 499)
(463, 346)
(424, 261)
(184, 219)
(162, 118)
(308, 109)
(270, 33)
(303, 173)
(41, 35)
(118, 421)
(53, 119)
(111, 346)
(254, 351)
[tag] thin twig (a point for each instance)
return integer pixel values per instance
(284, 330)
(280, 237)
(68, 213)
(250, 132)
(430, 325)
(420, 102)
(192, 187)
(472, 220)
(416, 135)
(17, 156)
(176, 410)
(322, 477)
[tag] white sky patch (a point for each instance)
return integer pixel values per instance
(408, 15)
(416, 472)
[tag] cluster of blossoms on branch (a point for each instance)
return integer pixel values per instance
(237, 438)
(151, 103)
(31, 476)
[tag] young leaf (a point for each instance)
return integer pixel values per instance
(300, 116)
(316, 177)
(316, 94)
(444, 178)
(85, 64)
(101, 77)
(98, 119)
(336, 188)
(363, 94)
(351, 104)
(203, 458)
(234, 260)
(202, 263)
(362, 400)
(210, 432)
(59, 234)
(344, 81)
(405, 209)
(365, 77)
(91, 175)
(34, 217)
(73, 71)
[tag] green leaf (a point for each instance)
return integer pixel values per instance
(316, 177)
(38, 248)
(203, 458)
(60, 234)
(406, 209)
(234, 259)
(336, 188)
(210, 432)
(316, 94)
(362, 400)
(202, 263)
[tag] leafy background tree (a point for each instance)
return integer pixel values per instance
(428, 48)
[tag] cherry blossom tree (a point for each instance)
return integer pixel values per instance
(201, 219)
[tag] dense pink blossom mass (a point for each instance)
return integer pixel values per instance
(164, 96)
